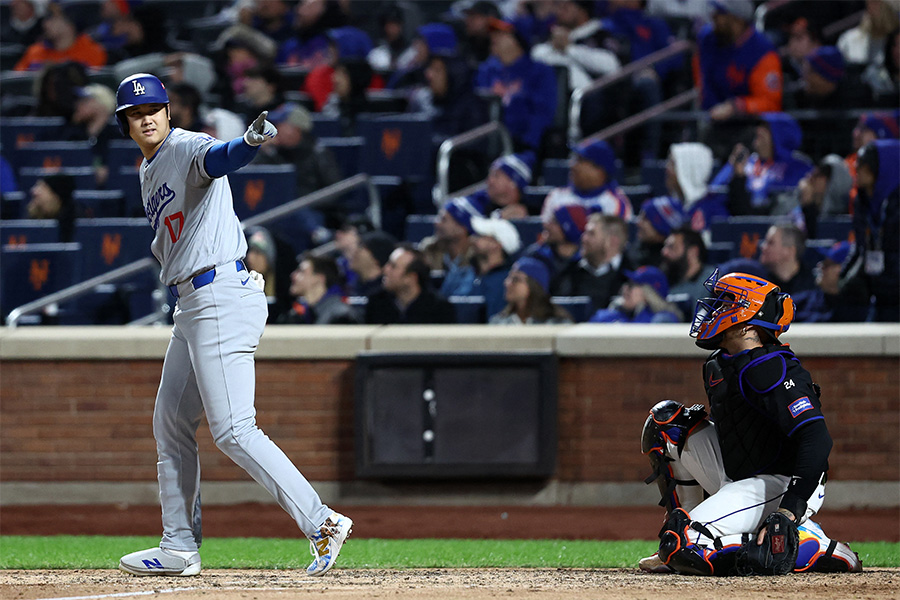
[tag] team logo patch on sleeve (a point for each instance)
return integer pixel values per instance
(800, 405)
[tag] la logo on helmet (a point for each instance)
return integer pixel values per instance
(139, 90)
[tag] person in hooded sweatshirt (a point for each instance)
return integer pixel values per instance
(688, 169)
(876, 221)
(448, 97)
(755, 180)
(309, 45)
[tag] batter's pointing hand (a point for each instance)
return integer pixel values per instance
(260, 130)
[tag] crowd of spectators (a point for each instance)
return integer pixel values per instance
(756, 153)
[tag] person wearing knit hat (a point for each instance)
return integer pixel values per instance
(261, 257)
(834, 300)
(496, 242)
(560, 241)
(507, 179)
(527, 294)
(51, 198)
(876, 126)
(593, 185)
(451, 241)
(658, 217)
(571, 220)
(368, 259)
(642, 300)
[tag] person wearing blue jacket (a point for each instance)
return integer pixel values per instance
(527, 88)
(754, 180)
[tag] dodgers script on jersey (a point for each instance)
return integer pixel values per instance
(191, 213)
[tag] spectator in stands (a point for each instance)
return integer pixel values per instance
(346, 45)
(687, 173)
(244, 49)
(506, 181)
(578, 42)
(527, 89)
(316, 284)
(308, 48)
(642, 300)
(384, 57)
(476, 44)
(368, 260)
(58, 85)
(451, 248)
(836, 299)
(274, 18)
(738, 69)
(693, 10)
(262, 257)
(296, 144)
(527, 293)
(137, 31)
(684, 262)
(62, 41)
(824, 191)
(51, 198)
(406, 296)
(593, 184)
(865, 43)
(261, 90)
(644, 34)
(600, 272)
(560, 242)
(657, 219)
(884, 79)
(496, 242)
(781, 252)
(804, 38)
(188, 112)
(757, 181)
(876, 220)
(94, 105)
(23, 26)
(448, 98)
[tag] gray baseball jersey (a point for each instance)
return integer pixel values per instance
(192, 214)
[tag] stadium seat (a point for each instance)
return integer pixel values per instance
(815, 250)
(347, 152)
(28, 231)
(100, 204)
(533, 196)
(555, 172)
(653, 173)
(419, 227)
(469, 309)
(529, 229)
(123, 153)
(258, 188)
(12, 204)
(36, 270)
(837, 227)
(399, 145)
(127, 179)
(719, 252)
(54, 155)
(107, 244)
(84, 176)
(577, 306)
(326, 126)
(745, 232)
(19, 131)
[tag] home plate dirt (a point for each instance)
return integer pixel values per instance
(443, 584)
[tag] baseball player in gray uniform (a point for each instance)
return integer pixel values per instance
(219, 317)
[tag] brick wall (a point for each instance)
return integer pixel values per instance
(91, 420)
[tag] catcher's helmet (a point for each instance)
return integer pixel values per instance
(740, 298)
(141, 88)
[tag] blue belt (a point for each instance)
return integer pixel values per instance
(205, 278)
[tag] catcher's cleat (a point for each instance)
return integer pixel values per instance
(819, 554)
(654, 564)
(325, 544)
(161, 561)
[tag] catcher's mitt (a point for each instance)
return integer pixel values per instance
(778, 552)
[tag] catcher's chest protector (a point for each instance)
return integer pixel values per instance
(750, 438)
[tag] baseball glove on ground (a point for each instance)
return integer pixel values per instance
(778, 552)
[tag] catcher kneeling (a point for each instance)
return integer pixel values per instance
(740, 489)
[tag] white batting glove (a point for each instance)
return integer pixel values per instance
(260, 130)
(258, 280)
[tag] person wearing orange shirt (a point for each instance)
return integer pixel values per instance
(62, 42)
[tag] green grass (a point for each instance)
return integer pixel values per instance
(96, 552)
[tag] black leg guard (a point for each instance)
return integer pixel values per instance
(676, 550)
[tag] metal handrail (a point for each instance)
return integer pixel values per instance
(315, 198)
(638, 119)
(441, 191)
(578, 95)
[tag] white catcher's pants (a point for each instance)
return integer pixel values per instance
(733, 507)
(209, 366)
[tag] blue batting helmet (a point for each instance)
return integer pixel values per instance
(141, 88)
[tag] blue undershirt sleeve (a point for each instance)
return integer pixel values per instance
(226, 157)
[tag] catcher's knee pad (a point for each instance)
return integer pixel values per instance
(677, 551)
(669, 422)
(819, 554)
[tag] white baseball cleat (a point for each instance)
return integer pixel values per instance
(325, 544)
(653, 564)
(161, 561)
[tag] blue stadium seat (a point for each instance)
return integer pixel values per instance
(258, 188)
(107, 244)
(123, 153)
(533, 196)
(326, 126)
(36, 270)
(653, 173)
(419, 227)
(12, 204)
(837, 227)
(28, 231)
(815, 250)
(84, 176)
(128, 181)
(638, 194)
(19, 131)
(469, 309)
(719, 252)
(529, 229)
(745, 232)
(100, 204)
(347, 152)
(54, 155)
(556, 172)
(578, 306)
